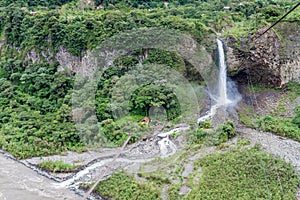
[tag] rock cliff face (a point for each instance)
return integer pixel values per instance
(67, 62)
(290, 51)
(273, 58)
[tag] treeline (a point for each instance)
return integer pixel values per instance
(51, 4)
(80, 30)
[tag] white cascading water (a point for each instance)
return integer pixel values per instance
(222, 75)
(222, 85)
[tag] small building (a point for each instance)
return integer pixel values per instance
(146, 119)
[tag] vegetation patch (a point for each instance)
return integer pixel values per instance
(282, 126)
(158, 178)
(293, 89)
(244, 174)
(123, 186)
(243, 141)
(275, 121)
(214, 136)
(57, 166)
(114, 133)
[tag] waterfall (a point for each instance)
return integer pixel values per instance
(222, 83)
(222, 96)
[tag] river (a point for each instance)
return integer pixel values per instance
(17, 182)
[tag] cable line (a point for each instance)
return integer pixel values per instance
(286, 14)
(250, 86)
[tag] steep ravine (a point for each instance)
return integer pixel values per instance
(265, 70)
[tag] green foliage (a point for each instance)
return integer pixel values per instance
(175, 134)
(123, 186)
(157, 178)
(261, 88)
(79, 30)
(206, 124)
(239, 174)
(173, 191)
(163, 57)
(227, 130)
(141, 4)
(247, 116)
(115, 132)
(281, 126)
(27, 133)
(34, 3)
(35, 110)
(296, 119)
(243, 141)
(199, 136)
(57, 166)
(293, 89)
(151, 95)
(215, 136)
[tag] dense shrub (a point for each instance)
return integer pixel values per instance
(282, 126)
(34, 3)
(123, 186)
(239, 174)
(215, 136)
(296, 119)
(151, 95)
(57, 166)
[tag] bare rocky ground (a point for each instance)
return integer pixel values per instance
(286, 149)
(103, 162)
(265, 103)
(145, 156)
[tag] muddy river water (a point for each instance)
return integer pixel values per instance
(17, 182)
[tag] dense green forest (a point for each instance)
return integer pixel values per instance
(35, 98)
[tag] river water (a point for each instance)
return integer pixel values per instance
(17, 182)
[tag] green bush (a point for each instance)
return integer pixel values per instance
(57, 166)
(215, 136)
(115, 132)
(206, 124)
(151, 95)
(123, 186)
(296, 119)
(281, 126)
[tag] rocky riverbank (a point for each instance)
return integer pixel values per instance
(144, 153)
